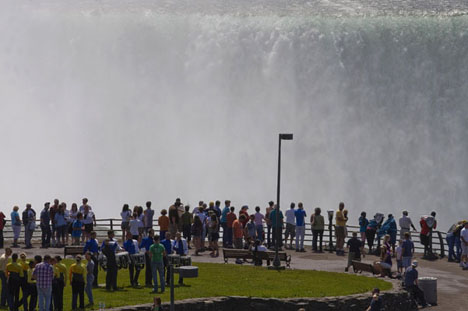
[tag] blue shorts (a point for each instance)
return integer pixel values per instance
(406, 262)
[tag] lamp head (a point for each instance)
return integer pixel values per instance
(286, 136)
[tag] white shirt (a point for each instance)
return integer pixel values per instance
(88, 219)
(405, 222)
(291, 216)
(134, 225)
(464, 234)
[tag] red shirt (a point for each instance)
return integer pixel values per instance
(246, 220)
(238, 229)
(230, 217)
(425, 228)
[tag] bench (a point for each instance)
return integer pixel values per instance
(358, 267)
(270, 256)
(72, 250)
(243, 254)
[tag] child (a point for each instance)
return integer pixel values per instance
(77, 228)
(399, 257)
(156, 304)
(163, 222)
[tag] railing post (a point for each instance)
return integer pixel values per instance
(111, 224)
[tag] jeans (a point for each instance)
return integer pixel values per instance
(4, 296)
(134, 274)
(14, 290)
(44, 294)
(77, 290)
(228, 236)
(95, 271)
(57, 293)
(148, 274)
(28, 233)
(451, 245)
(260, 235)
(458, 247)
(45, 237)
(316, 235)
(158, 268)
(32, 293)
(300, 232)
(89, 287)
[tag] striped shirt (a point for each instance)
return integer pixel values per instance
(43, 273)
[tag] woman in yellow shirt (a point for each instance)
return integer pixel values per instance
(77, 281)
(14, 269)
(24, 279)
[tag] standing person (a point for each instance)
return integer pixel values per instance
(399, 257)
(3, 276)
(89, 278)
(32, 289)
(300, 227)
(174, 218)
(131, 246)
(187, 220)
(214, 236)
(167, 243)
(163, 222)
(77, 282)
(148, 217)
(135, 225)
(53, 209)
(16, 225)
(250, 232)
(268, 221)
(157, 251)
(88, 220)
(405, 225)
(363, 222)
(85, 206)
(427, 223)
(145, 244)
(230, 217)
(109, 250)
(389, 227)
(14, 272)
(59, 282)
(244, 212)
(125, 225)
(238, 232)
(44, 274)
(141, 218)
(340, 229)
(2, 226)
(290, 226)
(411, 284)
(203, 216)
(317, 223)
(29, 222)
(45, 226)
(259, 218)
(355, 249)
(197, 231)
(277, 228)
(72, 215)
(92, 246)
(60, 225)
(407, 251)
(181, 248)
(24, 279)
(77, 228)
(370, 233)
(223, 221)
(464, 245)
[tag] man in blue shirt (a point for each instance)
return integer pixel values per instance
(223, 221)
(411, 284)
(45, 226)
(277, 227)
(407, 250)
(92, 246)
(300, 227)
(146, 244)
(131, 246)
(180, 248)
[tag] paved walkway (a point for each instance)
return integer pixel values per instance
(452, 281)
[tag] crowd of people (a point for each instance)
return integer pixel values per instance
(182, 229)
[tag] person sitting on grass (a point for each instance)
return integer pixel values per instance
(376, 302)
(77, 281)
(356, 247)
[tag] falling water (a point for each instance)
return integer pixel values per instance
(136, 101)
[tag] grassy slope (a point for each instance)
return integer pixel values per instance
(237, 280)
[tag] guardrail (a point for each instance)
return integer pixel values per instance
(103, 225)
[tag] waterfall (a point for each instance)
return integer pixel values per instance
(126, 105)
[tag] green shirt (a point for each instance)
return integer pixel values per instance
(157, 251)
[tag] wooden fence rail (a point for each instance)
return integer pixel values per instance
(103, 225)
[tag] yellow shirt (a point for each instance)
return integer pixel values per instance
(25, 267)
(14, 267)
(340, 219)
(30, 273)
(60, 268)
(3, 262)
(77, 269)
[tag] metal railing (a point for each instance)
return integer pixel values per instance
(103, 225)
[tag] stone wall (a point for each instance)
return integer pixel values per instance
(396, 299)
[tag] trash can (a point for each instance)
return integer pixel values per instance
(429, 286)
(188, 271)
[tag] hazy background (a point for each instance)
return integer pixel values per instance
(148, 102)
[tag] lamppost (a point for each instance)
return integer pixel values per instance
(276, 261)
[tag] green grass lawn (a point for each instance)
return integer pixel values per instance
(236, 280)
